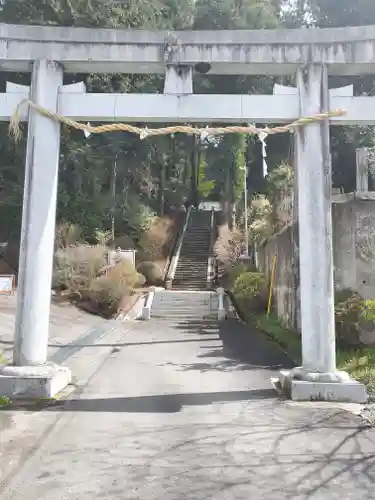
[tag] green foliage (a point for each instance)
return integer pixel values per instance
(5, 401)
(343, 13)
(231, 14)
(264, 214)
(87, 165)
(280, 179)
(348, 309)
(288, 339)
(360, 364)
(238, 270)
(136, 217)
(261, 220)
(249, 285)
(205, 186)
(102, 237)
(352, 313)
(368, 312)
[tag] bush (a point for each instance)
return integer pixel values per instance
(248, 285)
(239, 269)
(251, 289)
(152, 272)
(348, 310)
(368, 312)
(229, 247)
(157, 241)
(352, 315)
(101, 237)
(76, 266)
(67, 235)
(104, 294)
(124, 272)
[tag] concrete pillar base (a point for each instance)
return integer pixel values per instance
(301, 385)
(168, 285)
(146, 313)
(33, 382)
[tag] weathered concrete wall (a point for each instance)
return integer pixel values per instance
(286, 291)
(353, 256)
(344, 259)
(354, 246)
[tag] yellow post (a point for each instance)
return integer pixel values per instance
(273, 271)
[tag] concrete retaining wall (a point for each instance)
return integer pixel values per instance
(286, 291)
(353, 249)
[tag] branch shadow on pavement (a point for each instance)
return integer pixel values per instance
(242, 347)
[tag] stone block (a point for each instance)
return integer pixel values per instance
(33, 382)
(146, 313)
(221, 314)
(349, 391)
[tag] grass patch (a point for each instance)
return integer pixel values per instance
(288, 339)
(359, 363)
(4, 401)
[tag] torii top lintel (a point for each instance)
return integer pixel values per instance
(261, 52)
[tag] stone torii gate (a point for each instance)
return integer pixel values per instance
(311, 55)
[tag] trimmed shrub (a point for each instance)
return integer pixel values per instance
(157, 241)
(239, 269)
(124, 272)
(250, 289)
(76, 266)
(152, 272)
(104, 294)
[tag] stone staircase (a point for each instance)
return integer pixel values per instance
(176, 305)
(192, 267)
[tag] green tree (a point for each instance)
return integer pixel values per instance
(226, 161)
(87, 166)
(344, 140)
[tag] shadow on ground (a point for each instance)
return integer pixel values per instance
(160, 403)
(242, 348)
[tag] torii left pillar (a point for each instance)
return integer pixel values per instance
(30, 375)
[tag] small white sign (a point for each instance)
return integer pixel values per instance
(6, 283)
(118, 255)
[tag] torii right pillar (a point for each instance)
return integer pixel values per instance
(317, 378)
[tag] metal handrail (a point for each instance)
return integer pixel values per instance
(211, 258)
(174, 261)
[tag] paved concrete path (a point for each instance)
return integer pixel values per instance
(187, 411)
(67, 325)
